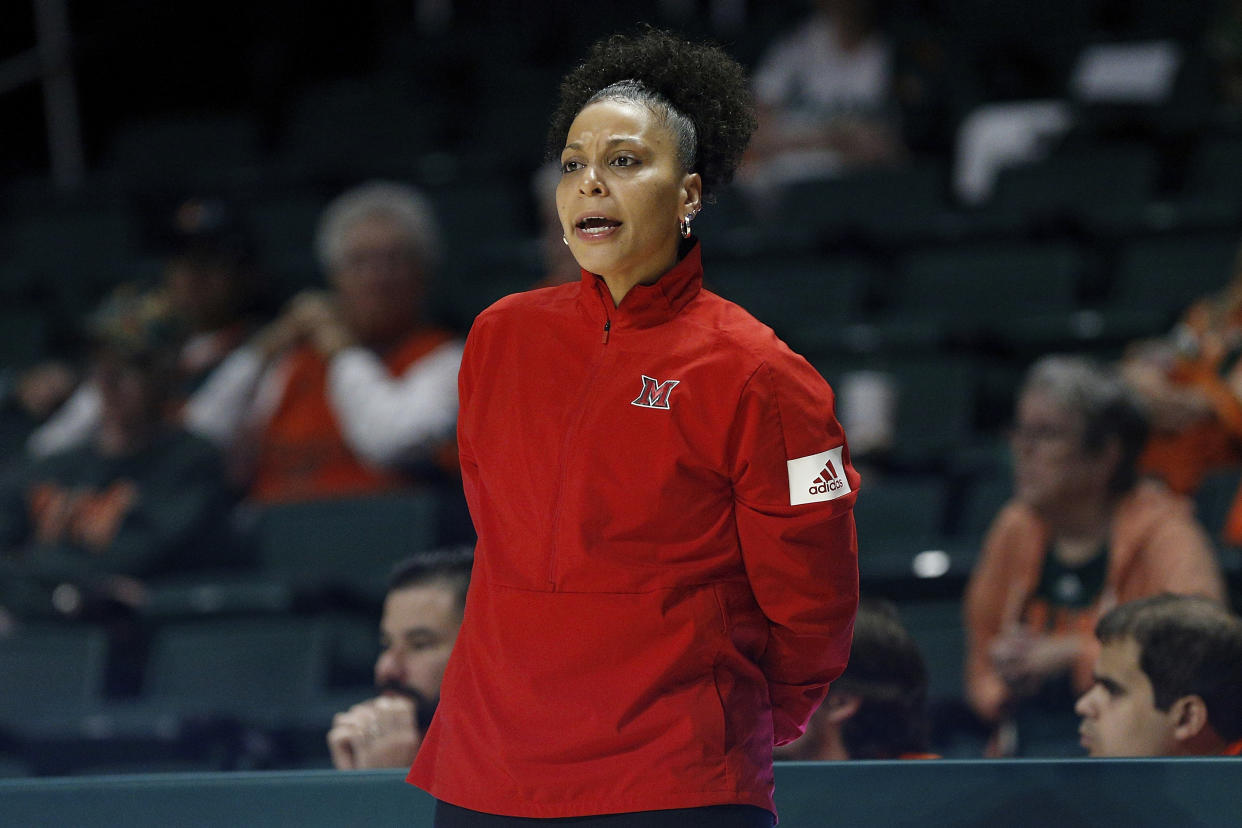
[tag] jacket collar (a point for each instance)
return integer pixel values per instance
(646, 306)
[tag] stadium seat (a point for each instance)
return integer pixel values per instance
(937, 628)
(24, 336)
(937, 396)
(79, 255)
(1070, 183)
(1168, 274)
(985, 494)
(803, 298)
(984, 287)
(900, 514)
(351, 129)
(251, 668)
(50, 667)
(177, 154)
(284, 229)
(814, 211)
(213, 596)
(1215, 168)
(344, 544)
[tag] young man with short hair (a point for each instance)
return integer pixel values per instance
(1168, 680)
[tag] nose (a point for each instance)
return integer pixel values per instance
(1083, 707)
(590, 182)
(388, 668)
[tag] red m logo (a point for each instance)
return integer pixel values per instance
(655, 393)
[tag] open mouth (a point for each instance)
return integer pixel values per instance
(596, 225)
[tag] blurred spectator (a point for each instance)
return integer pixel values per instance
(825, 98)
(1081, 535)
(1168, 681)
(1191, 382)
(422, 614)
(351, 390)
(141, 498)
(877, 709)
(208, 286)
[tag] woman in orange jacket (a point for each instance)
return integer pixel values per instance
(1081, 535)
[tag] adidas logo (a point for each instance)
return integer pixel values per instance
(828, 481)
(818, 477)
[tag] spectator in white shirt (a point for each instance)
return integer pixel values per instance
(352, 390)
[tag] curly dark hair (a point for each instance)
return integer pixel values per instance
(700, 90)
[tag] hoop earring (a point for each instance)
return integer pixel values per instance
(565, 240)
(684, 225)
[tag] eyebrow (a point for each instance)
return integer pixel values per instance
(1109, 684)
(574, 145)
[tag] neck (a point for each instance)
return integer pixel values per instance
(384, 342)
(113, 440)
(620, 284)
(1204, 743)
(1080, 523)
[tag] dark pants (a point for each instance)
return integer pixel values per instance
(711, 816)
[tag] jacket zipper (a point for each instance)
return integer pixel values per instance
(564, 459)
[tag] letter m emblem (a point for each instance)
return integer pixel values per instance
(655, 394)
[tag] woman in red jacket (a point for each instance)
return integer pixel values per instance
(666, 573)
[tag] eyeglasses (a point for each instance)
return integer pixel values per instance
(381, 256)
(1041, 433)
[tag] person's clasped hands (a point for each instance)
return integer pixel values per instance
(311, 317)
(378, 733)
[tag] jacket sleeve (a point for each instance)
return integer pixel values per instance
(388, 420)
(799, 547)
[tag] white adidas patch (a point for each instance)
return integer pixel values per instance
(817, 477)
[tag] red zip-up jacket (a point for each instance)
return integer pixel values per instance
(667, 572)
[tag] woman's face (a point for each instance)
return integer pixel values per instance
(1051, 466)
(379, 280)
(622, 192)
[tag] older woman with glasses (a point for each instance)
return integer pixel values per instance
(1082, 534)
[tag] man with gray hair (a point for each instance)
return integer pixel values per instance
(351, 390)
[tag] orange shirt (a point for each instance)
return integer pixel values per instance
(302, 453)
(1156, 545)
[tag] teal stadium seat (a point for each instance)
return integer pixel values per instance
(284, 229)
(858, 204)
(1073, 184)
(1165, 275)
(984, 288)
(181, 154)
(255, 669)
(50, 668)
(348, 130)
(902, 515)
(937, 395)
(806, 299)
(24, 336)
(344, 544)
(77, 255)
(937, 628)
(1215, 169)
